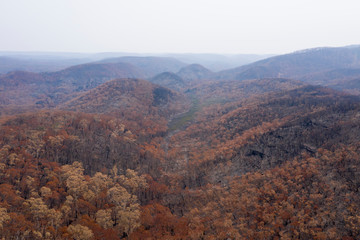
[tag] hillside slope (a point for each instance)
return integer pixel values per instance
(261, 132)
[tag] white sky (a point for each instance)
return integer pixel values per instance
(163, 26)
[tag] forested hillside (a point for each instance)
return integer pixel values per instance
(96, 152)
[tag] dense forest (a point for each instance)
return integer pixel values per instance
(148, 148)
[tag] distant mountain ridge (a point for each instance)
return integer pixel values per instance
(296, 65)
(218, 62)
(46, 64)
(151, 66)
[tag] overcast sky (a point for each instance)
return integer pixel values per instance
(169, 26)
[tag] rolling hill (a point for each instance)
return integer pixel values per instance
(87, 76)
(169, 80)
(194, 72)
(117, 95)
(25, 90)
(143, 106)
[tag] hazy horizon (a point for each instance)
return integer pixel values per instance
(161, 27)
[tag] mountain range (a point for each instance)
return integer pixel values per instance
(139, 147)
